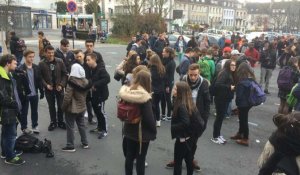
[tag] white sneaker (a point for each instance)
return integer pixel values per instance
(222, 138)
(158, 123)
(85, 114)
(217, 140)
(36, 130)
(27, 131)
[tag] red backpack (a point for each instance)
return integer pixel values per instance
(129, 112)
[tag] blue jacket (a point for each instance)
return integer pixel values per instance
(243, 92)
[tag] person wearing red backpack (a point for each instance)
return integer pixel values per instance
(138, 136)
(287, 78)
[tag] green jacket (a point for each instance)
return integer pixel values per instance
(212, 67)
(8, 104)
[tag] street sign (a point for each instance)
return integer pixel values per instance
(72, 6)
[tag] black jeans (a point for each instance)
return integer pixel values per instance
(33, 100)
(157, 97)
(168, 101)
(101, 115)
(51, 97)
(243, 121)
(221, 108)
(132, 152)
(183, 150)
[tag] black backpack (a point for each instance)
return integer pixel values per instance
(20, 45)
(28, 144)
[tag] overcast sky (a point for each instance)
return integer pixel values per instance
(255, 0)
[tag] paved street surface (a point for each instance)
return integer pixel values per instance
(105, 157)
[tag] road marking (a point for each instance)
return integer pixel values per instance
(250, 123)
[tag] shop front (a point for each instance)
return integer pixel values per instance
(42, 19)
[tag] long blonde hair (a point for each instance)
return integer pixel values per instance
(142, 78)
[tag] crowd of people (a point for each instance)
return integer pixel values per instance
(209, 76)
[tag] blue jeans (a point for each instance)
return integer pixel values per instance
(8, 140)
(33, 100)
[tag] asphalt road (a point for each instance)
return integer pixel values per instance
(105, 157)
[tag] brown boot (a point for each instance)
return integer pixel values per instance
(244, 142)
(237, 136)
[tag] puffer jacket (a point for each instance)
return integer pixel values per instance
(75, 95)
(142, 97)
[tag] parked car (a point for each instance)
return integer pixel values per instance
(173, 38)
(213, 39)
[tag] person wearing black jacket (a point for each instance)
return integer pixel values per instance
(34, 81)
(159, 45)
(192, 43)
(99, 93)
(90, 48)
(181, 127)
(268, 64)
(170, 65)
(158, 74)
(224, 93)
(13, 45)
(65, 54)
(10, 107)
(201, 98)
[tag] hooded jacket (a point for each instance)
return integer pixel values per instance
(75, 95)
(170, 66)
(158, 81)
(243, 93)
(142, 97)
(223, 86)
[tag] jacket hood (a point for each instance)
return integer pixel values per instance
(139, 95)
(77, 71)
(81, 84)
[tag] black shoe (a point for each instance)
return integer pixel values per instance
(96, 130)
(15, 161)
(62, 125)
(102, 135)
(266, 92)
(52, 126)
(68, 149)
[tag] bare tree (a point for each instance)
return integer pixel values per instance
(134, 6)
(278, 18)
(159, 4)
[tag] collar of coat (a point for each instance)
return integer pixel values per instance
(3, 73)
(139, 95)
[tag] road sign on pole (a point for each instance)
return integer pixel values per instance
(72, 7)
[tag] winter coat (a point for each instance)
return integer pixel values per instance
(170, 66)
(203, 97)
(8, 104)
(13, 46)
(75, 95)
(268, 59)
(23, 84)
(180, 124)
(157, 80)
(243, 93)
(223, 86)
(100, 80)
(68, 60)
(148, 122)
(60, 72)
